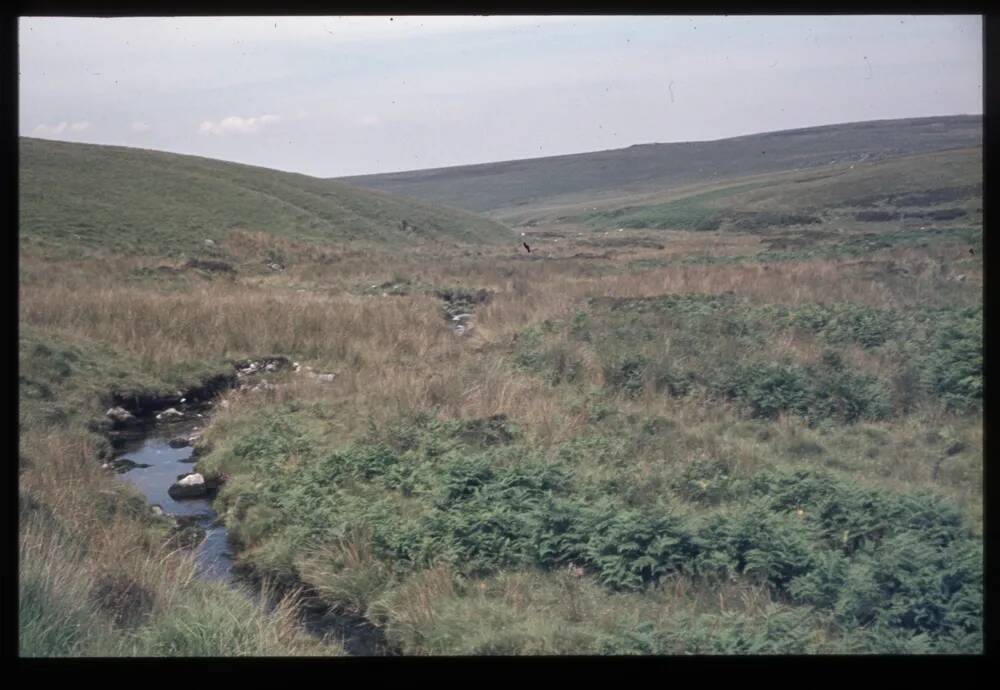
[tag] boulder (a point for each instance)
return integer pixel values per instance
(169, 414)
(119, 415)
(179, 442)
(188, 486)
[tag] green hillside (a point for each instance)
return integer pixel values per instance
(136, 200)
(507, 186)
(940, 187)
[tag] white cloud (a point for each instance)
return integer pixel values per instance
(140, 127)
(50, 130)
(44, 130)
(369, 120)
(235, 124)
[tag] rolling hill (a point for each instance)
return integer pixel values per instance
(137, 201)
(508, 187)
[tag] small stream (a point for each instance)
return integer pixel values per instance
(214, 555)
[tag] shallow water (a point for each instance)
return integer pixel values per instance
(214, 556)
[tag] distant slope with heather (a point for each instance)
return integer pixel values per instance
(506, 186)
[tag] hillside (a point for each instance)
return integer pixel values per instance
(137, 200)
(939, 186)
(501, 187)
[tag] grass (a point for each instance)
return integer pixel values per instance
(613, 460)
(516, 190)
(148, 202)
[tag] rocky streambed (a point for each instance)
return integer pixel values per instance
(155, 441)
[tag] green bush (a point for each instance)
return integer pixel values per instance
(951, 367)
(816, 393)
(777, 631)
(849, 323)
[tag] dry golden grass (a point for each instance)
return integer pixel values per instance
(395, 355)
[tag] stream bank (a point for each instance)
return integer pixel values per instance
(153, 449)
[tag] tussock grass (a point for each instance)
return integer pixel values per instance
(573, 389)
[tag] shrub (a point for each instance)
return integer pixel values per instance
(816, 393)
(951, 367)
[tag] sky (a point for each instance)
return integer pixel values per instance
(334, 96)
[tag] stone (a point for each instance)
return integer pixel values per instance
(188, 486)
(120, 415)
(169, 414)
(158, 510)
(179, 442)
(209, 243)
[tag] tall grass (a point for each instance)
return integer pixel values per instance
(395, 358)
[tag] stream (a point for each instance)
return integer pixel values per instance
(214, 555)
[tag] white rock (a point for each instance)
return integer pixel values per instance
(192, 480)
(209, 243)
(119, 414)
(170, 412)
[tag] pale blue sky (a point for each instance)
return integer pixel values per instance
(332, 96)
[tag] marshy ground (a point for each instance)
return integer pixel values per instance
(759, 437)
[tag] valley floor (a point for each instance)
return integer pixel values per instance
(638, 442)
